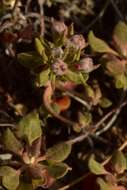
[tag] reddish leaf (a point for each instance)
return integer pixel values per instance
(63, 103)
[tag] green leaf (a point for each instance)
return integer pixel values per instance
(39, 46)
(121, 81)
(30, 127)
(43, 77)
(77, 128)
(99, 45)
(5, 156)
(36, 183)
(119, 162)
(11, 142)
(75, 77)
(58, 170)
(108, 185)
(115, 66)
(25, 186)
(105, 102)
(55, 108)
(103, 185)
(59, 152)
(120, 37)
(11, 181)
(121, 31)
(30, 60)
(10, 177)
(89, 91)
(85, 118)
(6, 170)
(41, 49)
(83, 77)
(95, 167)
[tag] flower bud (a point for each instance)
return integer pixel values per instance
(78, 41)
(59, 27)
(59, 67)
(57, 52)
(86, 65)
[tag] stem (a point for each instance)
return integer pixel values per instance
(99, 123)
(74, 182)
(116, 9)
(79, 138)
(78, 99)
(109, 124)
(42, 23)
(33, 15)
(15, 6)
(99, 16)
(41, 2)
(27, 6)
(117, 112)
(123, 146)
(101, 139)
(96, 126)
(7, 125)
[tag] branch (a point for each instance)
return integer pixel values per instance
(95, 127)
(78, 99)
(7, 125)
(112, 120)
(109, 124)
(116, 9)
(99, 16)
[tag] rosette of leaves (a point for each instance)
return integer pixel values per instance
(114, 60)
(58, 59)
(25, 164)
